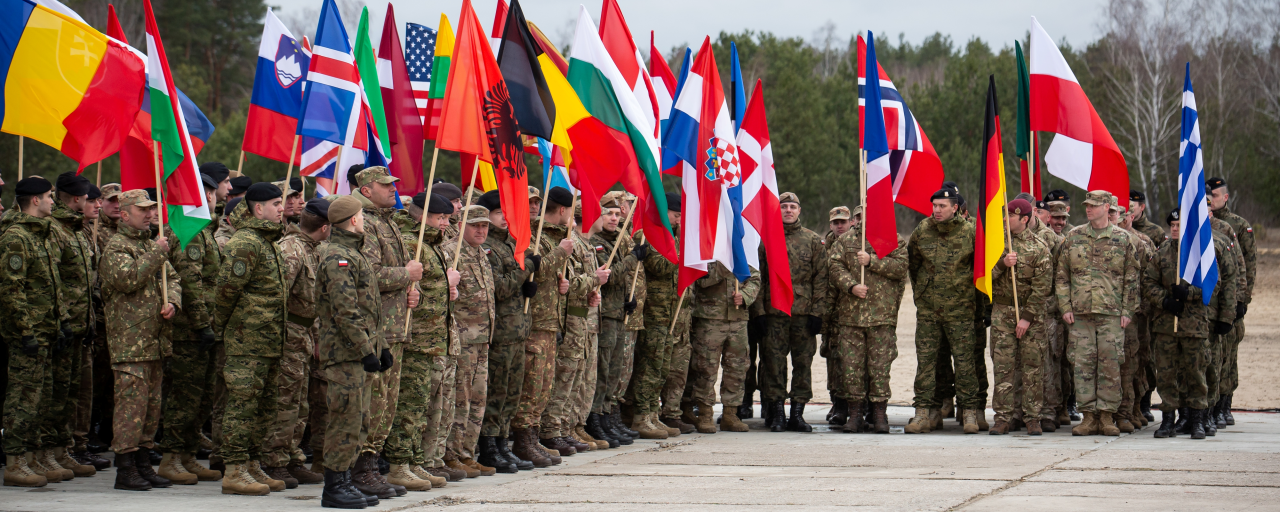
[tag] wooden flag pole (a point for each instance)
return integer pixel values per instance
(676, 316)
(1013, 271)
(572, 225)
(862, 191)
(155, 158)
(98, 183)
(635, 279)
(1177, 269)
(462, 225)
(20, 141)
(240, 161)
(537, 243)
(422, 226)
(737, 287)
(288, 174)
(621, 231)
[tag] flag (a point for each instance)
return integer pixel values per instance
(183, 191)
(499, 24)
(372, 112)
(440, 66)
(1083, 154)
(701, 135)
(617, 40)
(1196, 259)
(276, 101)
(914, 166)
(878, 217)
(760, 192)
(478, 118)
(333, 125)
(988, 241)
(554, 175)
(486, 181)
(664, 84)
(739, 243)
(1024, 141)
(66, 84)
(420, 44)
(535, 111)
(404, 123)
(671, 164)
(737, 94)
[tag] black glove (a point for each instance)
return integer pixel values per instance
(30, 346)
(528, 289)
(629, 306)
(1241, 309)
(385, 360)
(641, 252)
(1221, 328)
(1181, 291)
(370, 363)
(986, 321)
(536, 260)
(1173, 305)
(815, 325)
(206, 337)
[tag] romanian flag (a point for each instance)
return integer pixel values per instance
(66, 84)
(439, 77)
(988, 244)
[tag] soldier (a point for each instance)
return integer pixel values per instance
(633, 324)
(239, 186)
(385, 250)
(32, 300)
(82, 417)
(190, 369)
(535, 202)
(1059, 198)
(225, 228)
(615, 306)
(1230, 281)
(864, 329)
(719, 337)
(1138, 211)
(1097, 285)
(1137, 330)
(1018, 336)
(249, 312)
(132, 266)
(349, 309)
(655, 345)
(453, 194)
(293, 203)
(840, 221)
(1218, 196)
(110, 213)
(940, 255)
(511, 286)
(222, 179)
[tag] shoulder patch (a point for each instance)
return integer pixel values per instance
(193, 252)
(15, 261)
(238, 268)
(343, 263)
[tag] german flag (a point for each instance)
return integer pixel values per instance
(988, 244)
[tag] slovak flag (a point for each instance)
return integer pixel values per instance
(701, 135)
(276, 103)
(878, 219)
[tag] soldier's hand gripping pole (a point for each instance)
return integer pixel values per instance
(422, 226)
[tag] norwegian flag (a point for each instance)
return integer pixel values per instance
(420, 50)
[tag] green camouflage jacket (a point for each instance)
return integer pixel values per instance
(580, 318)
(1034, 275)
(660, 276)
(473, 311)
(30, 287)
(1153, 231)
(347, 301)
(508, 277)
(940, 263)
(432, 330)
(546, 309)
(613, 294)
(809, 273)
(1248, 248)
(1229, 276)
(301, 266)
(131, 267)
(106, 230)
(714, 297)
(1159, 278)
(1097, 272)
(637, 287)
(386, 251)
(885, 280)
(75, 263)
(197, 266)
(225, 230)
(249, 305)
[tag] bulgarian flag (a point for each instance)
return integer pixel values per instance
(183, 192)
(439, 76)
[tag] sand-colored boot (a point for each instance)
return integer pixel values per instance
(687, 414)
(436, 482)
(730, 421)
(17, 473)
(456, 465)
(949, 408)
(1088, 426)
(204, 474)
(238, 481)
(50, 463)
(648, 430)
(1108, 424)
(706, 421)
(982, 420)
(483, 469)
(582, 436)
(67, 461)
(401, 474)
(921, 423)
(970, 418)
(254, 470)
(171, 467)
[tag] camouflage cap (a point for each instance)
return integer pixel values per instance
(477, 214)
(1118, 208)
(376, 173)
(534, 193)
(136, 197)
(1098, 198)
(294, 186)
(110, 190)
(788, 197)
(1058, 209)
(612, 199)
(840, 213)
(857, 211)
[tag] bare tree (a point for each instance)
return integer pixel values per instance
(1266, 68)
(831, 47)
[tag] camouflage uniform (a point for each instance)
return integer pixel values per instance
(249, 312)
(31, 300)
(719, 336)
(1154, 232)
(131, 266)
(940, 258)
(1096, 280)
(575, 362)
(91, 351)
(225, 230)
(1249, 252)
(546, 314)
(189, 396)
(613, 339)
(474, 315)
(864, 335)
(633, 323)
(1231, 280)
(1018, 360)
(301, 264)
(1055, 372)
(655, 348)
(75, 258)
(386, 251)
(1182, 354)
(787, 332)
(506, 351)
(835, 388)
(1136, 335)
(349, 309)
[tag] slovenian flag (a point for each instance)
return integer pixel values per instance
(276, 103)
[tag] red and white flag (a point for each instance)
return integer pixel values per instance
(761, 211)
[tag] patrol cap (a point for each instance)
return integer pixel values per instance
(110, 190)
(945, 193)
(136, 197)
(1136, 196)
(673, 202)
(611, 200)
(1214, 183)
(343, 208)
(472, 194)
(1097, 198)
(1057, 194)
(477, 214)
(377, 174)
(857, 211)
(318, 207)
(788, 197)
(840, 213)
(1118, 208)
(94, 192)
(240, 184)
(208, 181)
(1020, 207)
(1173, 215)
(1058, 209)
(33, 186)
(73, 184)
(560, 196)
(535, 193)
(262, 191)
(406, 200)
(216, 170)
(490, 200)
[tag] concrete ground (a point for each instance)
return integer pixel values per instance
(1240, 468)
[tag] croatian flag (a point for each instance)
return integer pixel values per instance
(277, 93)
(1197, 263)
(879, 220)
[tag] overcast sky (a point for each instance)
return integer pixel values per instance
(999, 22)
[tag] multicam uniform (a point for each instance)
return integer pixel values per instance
(1018, 360)
(1136, 335)
(940, 256)
(613, 342)
(575, 373)
(474, 315)
(301, 265)
(386, 251)
(546, 313)
(719, 337)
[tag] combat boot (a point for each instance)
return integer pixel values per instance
(1107, 424)
(650, 430)
(337, 494)
(547, 453)
(362, 477)
(559, 444)
(1087, 427)
(400, 474)
(483, 469)
(526, 447)
(839, 413)
(488, 455)
(436, 481)
(171, 469)
(254, 469)
(33, 462)
(854, 423)
(596, 431)
(1033, 428)
(50, 464)
(1195, 424)
(797, 423)
(1220, 412)
(970, 417)
(672, 431)
(921, 423)
(66, 461)
(449, 473)
(1231, 420)
(1123, 423)
(936, 416)
(1145, 406)
(706, 419)
(1072, 412)
(142, 460)
(746, 411)
(982, 419)
(688, 414)
(676, 423)
(879, 417)
(127, 477)
(777, 417)
(1206, 417)
(297, 471)
(1167, 426)
(1063, 419)
(622, 425)
(238, 481)
(1046, 425)
(1183, 425)
(612, 424)
(949, 408)
(457, 465)
(500, 443)
(732, 423)
(579, 433)
(1000, 428)
(18, 473)
(202, 473)
(92, 459)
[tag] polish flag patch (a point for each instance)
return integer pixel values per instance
(343, 263)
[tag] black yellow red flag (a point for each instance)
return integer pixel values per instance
(988, 245)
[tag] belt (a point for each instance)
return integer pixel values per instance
(301, 320)
(1007, 300)
(577, 311)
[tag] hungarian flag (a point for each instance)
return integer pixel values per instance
(988, 243)
(1025, 145)
(617, 40)
(477, 118)
(439, 77)
(1083, 154)
(183, 192)
(372, 112)
(404, 124)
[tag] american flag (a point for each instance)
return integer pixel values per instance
(419, 51)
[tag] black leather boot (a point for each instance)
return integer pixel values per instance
(1210, 427)
(1231, 420)
(839, 413)
(777, 417)
(127, 477)
(1145, 406)
(1072, 412)
(746, 411)
(1167, 426)
(622, 426)
(594, 429)
(490, 456)
(610, 424)
(142, 460)
(501, 445)
(1220, 412)
(797, 423)
(338, 495)
(1196, 424)
(1183, 425)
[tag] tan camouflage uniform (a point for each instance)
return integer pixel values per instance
(575, 362)
(1019, 360)
(719, 336)
(474, 316)
(547, 316)
(301, 264)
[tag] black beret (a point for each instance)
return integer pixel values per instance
(951, 185)
(673, 201)
(209, 181)
(448, 190)
(231, 206)
(240, 184)
(560, 196)
(490, 200)
(440, 205)
(94, 192)
(318, 206)
(215, 170)
(1173, 215)
(33, 186)
(71, 183)
(1214, 183)
(151, 193)
(945, 193)
(262, 192)
(1042, 205)
(420, 200)
(295, 185)
(1137, 195)
(1057, 194)
(351, 175)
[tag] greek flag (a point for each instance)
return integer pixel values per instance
(1197, 264)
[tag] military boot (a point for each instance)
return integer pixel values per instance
(1088, 426)
(649, 429)
(982, 419)
(203, 474)
(547, 453)
(1046, 425)
(921, 423)
(142, 460)
(1220, 412)
(880, 417)
(18, 473)
(622, 425)
(338, 495)
(299, 473)
(370, 500)
(1231, 420)
(1001, 427)
(1033, 428)
(523, 448)
(400, 474)
(1145, 405)
(1183, 425)
(66, 461)
(687, 414)
(1196, 424)
(854, 423)
(1063, 419)
(706, 419)
(1167, 426)
(456, 465)
(1107, 424)
(579, 433)
(362, 478)
(483, 469)
(1206, 417)
(672, 430)
(746, 411)
(437, 482)
(127, 477)
(949, 408)
(237, 480)
(50, 464)
(732, 423)
(597, 431)
(839, 411)
(796, 423)
(92, 459)
(1072, 412)
(559, 444)
(500, 443)
(970, 418)
(936, 416)
(488, 455)
(777, 417)
(33, 462)
(254, 469)
(613, 423)
(1122, 422)
(172, 469)
(676, 423)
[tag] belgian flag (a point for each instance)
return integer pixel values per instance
(988, 243)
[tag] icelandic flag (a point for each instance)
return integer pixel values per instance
(276, 103)
(1197, 264)
(701, 135)
(879, 222)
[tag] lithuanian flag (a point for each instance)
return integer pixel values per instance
(988, 244)
(439, 76)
